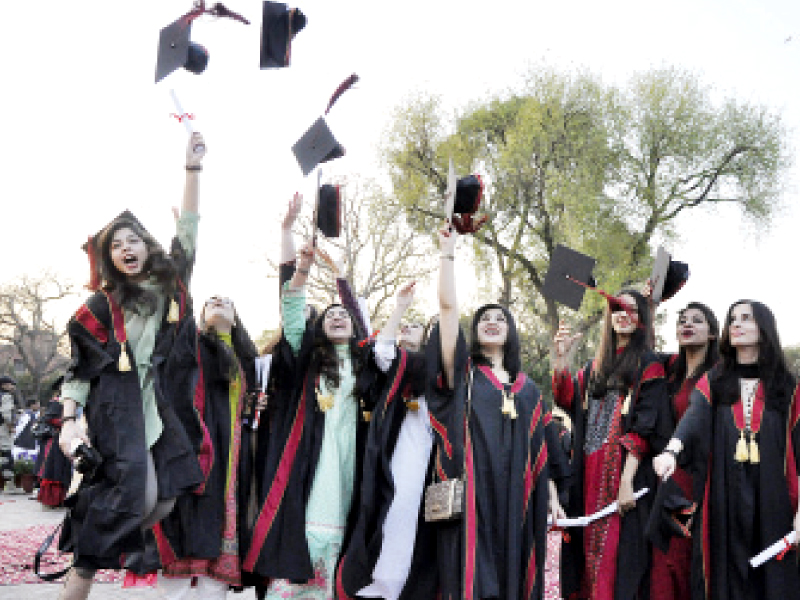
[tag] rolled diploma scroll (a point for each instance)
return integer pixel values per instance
(181, 115)
(589, 519)
(263, 364)
(773, 550)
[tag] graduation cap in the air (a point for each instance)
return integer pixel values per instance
(317, 145)
(176, 50)
(668, 276)
(570, 275)
(95, 243)
(461, 201)
(279, 25)
(329, 210)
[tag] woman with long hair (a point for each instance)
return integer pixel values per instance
(614, 403)
(205, 527)
(315, 453)
(490, 424)
(741, 440)
(132, 370)
(697, 332)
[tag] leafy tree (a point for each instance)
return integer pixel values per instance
(599, 168)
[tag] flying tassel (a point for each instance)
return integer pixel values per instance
(94, 273)
(124, 363)
(218, 10)
(465, 224)
(741, 455)
(174, 314)
(346, 85)
(755, 454)
(614, 303)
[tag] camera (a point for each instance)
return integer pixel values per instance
(87, 459)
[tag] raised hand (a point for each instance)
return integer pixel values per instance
(447, 241)
(292, 211)
(406, 295)
(306, 257)
(564, 345)
(196, 150)
(664, 465)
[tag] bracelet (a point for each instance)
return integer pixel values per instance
(303, 271)
(69, 418)
(194, 167)
(448, 256)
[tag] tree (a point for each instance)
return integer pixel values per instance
(601, 169)
(378, 250)
(26, 325)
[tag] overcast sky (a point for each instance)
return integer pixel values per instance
(86, 133)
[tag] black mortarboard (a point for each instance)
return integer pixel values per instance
(316, 146)
(567, 265)
(279, 25)
(668, 276)
(176, 51)
(329, 211)
(469, 191)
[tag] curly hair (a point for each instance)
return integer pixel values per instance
(323, 354)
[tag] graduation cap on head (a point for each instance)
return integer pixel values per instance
(668, 276)
(279, 25)
(94, 244)
(175, 50)
(329, 210)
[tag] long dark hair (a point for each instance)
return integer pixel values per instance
(618, 372)
(323, 355)
(159, 265)
(712, 351)
(771, 366)
(512, 362)
(243, 349)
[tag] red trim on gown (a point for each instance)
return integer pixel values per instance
(670, 578)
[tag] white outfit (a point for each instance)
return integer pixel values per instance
(409, 466)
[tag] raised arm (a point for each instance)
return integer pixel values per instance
(404, 299)
(448, 303)
(194, 164)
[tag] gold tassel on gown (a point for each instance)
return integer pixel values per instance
(509, 409)
(174, 312)
(755, 454)
(742, 454)
(124, 363)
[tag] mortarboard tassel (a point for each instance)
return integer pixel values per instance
(124, 363)
(174, 314)
(741, 454)
(755, 455)
(508, 408)
(345, 85)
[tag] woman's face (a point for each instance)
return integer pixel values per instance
(337, 325)
(128, 252)
(410, 336)
(743, 328)
(492, 328)
(219, 313)
(623, 323)
(693, 328)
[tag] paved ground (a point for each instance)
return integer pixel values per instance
(17, 512)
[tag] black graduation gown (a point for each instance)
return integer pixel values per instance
(107, 511)
(497, 549)
(744, 507)
(277, 545)
(405, 380)
(645, 430)
(195, 527)
(54, 468)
